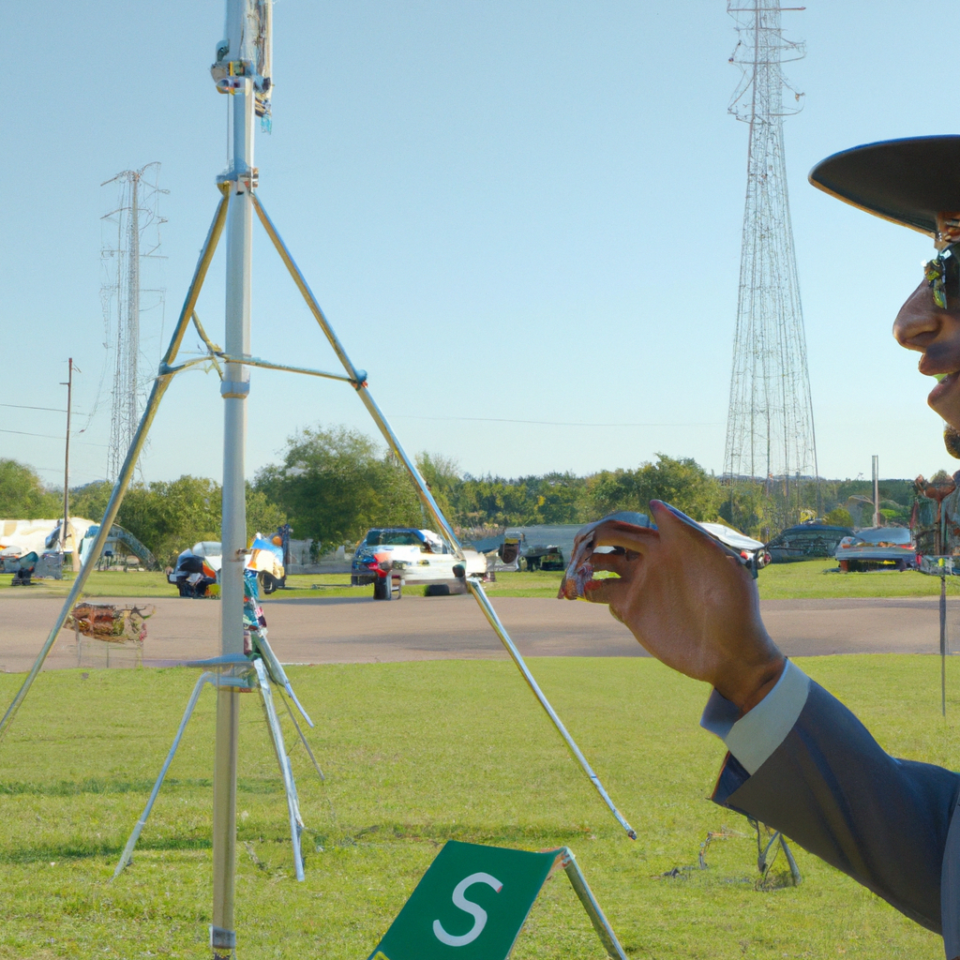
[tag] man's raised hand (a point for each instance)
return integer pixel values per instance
(688, 604)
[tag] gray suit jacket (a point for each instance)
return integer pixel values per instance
(887, 823)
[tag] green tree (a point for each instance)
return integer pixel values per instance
(169, 516)
(335, 483)
(680, 482)
(442, 476)
(559, 498)
(263, 514)
(23, 495)
(749, 508)
(839, 517)
(90, 500)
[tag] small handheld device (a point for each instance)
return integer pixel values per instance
(580, 570)
(748, 561)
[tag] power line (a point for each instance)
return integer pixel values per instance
(558, 423)
(20, 406)
(49, 436)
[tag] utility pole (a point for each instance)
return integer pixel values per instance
(66, 468)
(876, 491)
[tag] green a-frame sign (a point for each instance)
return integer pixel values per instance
(473, 900)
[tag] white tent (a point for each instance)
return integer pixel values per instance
(21, 536)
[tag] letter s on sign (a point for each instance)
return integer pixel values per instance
(478, 913)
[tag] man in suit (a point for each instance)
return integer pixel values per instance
(798, 759)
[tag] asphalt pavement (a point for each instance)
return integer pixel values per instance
(361, 630)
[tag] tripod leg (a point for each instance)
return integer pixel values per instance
(303, 739)
(477, 590)
(273, 722)
(359, 380)
(160, 385)
(794, 869)
(127, 854)
(597, 917)
(358, 376)
(275, 669)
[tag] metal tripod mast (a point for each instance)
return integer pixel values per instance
(133, 236)
(770, 432)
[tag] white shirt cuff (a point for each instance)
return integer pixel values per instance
(753, 737)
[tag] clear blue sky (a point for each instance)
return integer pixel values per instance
(509, 210)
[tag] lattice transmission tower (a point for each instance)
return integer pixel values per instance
(770, 432)
(131, 235)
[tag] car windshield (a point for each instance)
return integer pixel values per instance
(393, 538)
(798, 536)
(885, 535)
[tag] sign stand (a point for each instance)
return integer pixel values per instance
(941, 567)
(473, 901)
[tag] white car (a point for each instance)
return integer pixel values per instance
(747, 546)
(389, 557)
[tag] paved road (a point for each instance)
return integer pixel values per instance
(359, 630)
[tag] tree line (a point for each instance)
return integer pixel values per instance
(334, 483)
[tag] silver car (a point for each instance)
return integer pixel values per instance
(878, 547)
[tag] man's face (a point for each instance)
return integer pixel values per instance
(935, 333)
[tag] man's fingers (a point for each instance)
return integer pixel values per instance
(675, 528)
(614, 533)
(615, 562)
(607, 591)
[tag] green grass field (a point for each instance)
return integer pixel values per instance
(415, 754)
(808, 579)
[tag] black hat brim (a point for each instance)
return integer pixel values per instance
(906, 181)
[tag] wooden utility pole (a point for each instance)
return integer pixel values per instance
(66, 471)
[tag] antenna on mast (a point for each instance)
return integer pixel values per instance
(251, 43)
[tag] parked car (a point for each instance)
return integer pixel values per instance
(389, 557)
(878, 547)
(749, 548)
(198, 569)
(544, 557)
(806, 541)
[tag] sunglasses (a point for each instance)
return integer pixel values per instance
(944, 271)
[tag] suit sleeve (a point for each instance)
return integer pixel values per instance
(884, 822)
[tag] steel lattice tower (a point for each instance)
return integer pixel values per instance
(121, 293)
(770, 433)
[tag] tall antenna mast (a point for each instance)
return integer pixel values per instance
(770, 433)
(133, 234)
(241, 71)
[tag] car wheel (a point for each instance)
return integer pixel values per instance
(268, 582)
(381, 589)
(437, 590)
